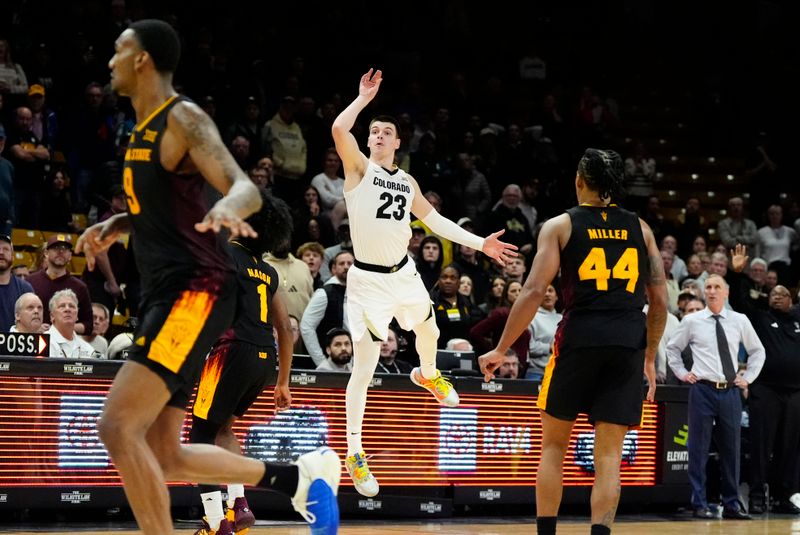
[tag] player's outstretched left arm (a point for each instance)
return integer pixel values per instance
(197, 132)
(491, 246)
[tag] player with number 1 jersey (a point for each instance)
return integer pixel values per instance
(383, 283)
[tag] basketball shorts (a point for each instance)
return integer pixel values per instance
(373, 299)
(234, 375)
(178, 329)
(605, 383)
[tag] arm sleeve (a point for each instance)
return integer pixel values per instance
(447, 229)
(312, 315)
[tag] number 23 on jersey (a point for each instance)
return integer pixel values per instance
(626, 268)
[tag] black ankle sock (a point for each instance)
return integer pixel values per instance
(546, 525)
(280, 477)
(600, 529)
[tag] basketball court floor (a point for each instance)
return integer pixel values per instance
(626, 525)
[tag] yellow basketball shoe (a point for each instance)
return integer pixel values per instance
(441, 388)
(364, 481)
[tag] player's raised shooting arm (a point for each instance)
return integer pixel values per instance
(204, 145)
(353, 160)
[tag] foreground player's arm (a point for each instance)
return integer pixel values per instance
(280, 317)
(195, 130)
(100, 236)
(490, 246)
(656, 289)
(545, 267)
(353, 160)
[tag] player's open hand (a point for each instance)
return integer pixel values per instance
(500, 251)
(99, 237)
(222, 216)
(489, 362)
(370, 83)
(283, 398)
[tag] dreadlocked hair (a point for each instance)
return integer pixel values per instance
(273, 223)
(603, 171)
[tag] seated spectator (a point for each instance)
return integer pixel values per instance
(514, 270)
(119, 345)
(28, 314)
(508, 215)
(770, 281)
(21, 271)
(485, 334)
(260, 177)
(387, 361)
(329, 185)
(465, 288)
(543, 332)
(777, 243)
(509, 369)
(495, 297)
(429, 264)
(345, 244)
(736, 228)
(454, 313)
(326, 310)
(56, 214)
(458, 344)
(297, 286)
(417, 234)
(64, 341)
(12, 77)
(55, 277)
(339, 351)
(670, 244)
(11, 287)
(294, 325)
(100, 322)
(312, 254)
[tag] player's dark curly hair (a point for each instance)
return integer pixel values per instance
(273, 222)
(603, 172)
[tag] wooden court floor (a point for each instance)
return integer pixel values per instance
(772, 526)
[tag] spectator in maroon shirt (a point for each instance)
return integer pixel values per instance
(55, 277)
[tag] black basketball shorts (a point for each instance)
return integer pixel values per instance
(605, 383)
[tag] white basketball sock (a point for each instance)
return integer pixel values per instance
(234, 491)
(427, 337)
(212, 505)
(365, 359)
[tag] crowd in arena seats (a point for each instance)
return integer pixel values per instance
(494, 149)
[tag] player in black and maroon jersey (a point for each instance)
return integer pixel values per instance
(243, 361)
(189, 295)
(604, 344)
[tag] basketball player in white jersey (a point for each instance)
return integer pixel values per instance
(382, 282)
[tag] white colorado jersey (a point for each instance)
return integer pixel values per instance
(379, 210)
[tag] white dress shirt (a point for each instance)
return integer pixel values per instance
(77, 348)
(699, 331)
